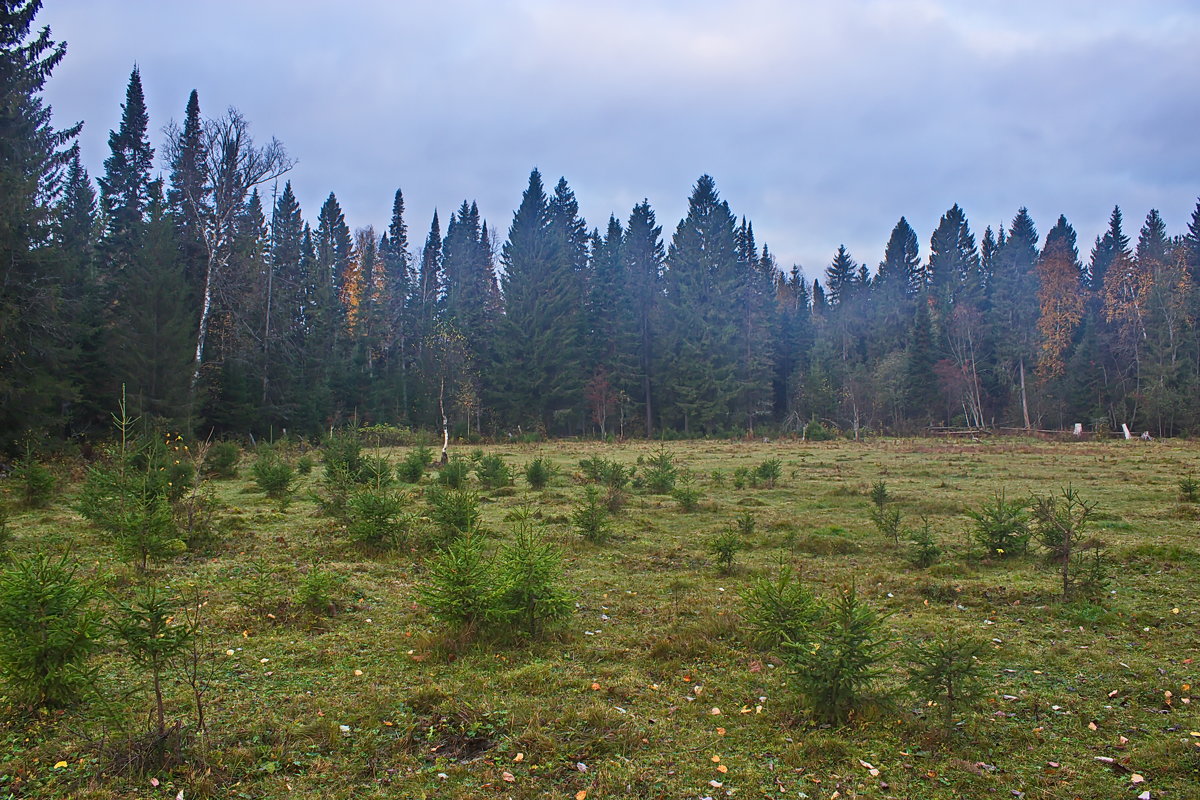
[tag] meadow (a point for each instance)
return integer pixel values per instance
(320, 670)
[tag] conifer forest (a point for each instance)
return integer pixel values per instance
(223, 307)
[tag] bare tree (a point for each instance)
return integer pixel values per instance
(230, 164)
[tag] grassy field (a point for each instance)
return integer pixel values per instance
(652, 688)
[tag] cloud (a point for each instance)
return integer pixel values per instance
(823, 122)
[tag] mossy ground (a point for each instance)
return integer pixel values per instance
(651, 689)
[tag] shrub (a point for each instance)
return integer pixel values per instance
(769, 472)
(376, 471)
(454, 473)
(539, 472)
(458, 588)
(924, 551)
(35, 483)
(946, 669)
(376, 518)
(887, 522)
(741, 476)
(222, 460)
(687, 494)
(146, 626)
(274, 477)
(129, 506)
(1189, 489)
(316, 592)
(724, 546)
(879, 494)
(660, 473)
(48, 628)
(305, 464)
(779, 609)
(816, 432)
(493, 472)
(844, 656)
(412, 468)
(454, 511)
(529, 594)
(745, 523)
(1001, 527)
(342, 453)
(1060, 524)
(591, 517)
(592, 467)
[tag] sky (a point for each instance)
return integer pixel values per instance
(822, 122)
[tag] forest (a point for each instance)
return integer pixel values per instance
(188, 277)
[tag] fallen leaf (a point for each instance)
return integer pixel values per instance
(595, 687)
(581, 794)
(722, 768)
(60, 765)
(1092, 726)
(1136, 779)
(154, 782)
(1144, 795)
(519, 757)
(509, 777)
(358, 672)
(721, 732)
(716, 759)
(715, 711)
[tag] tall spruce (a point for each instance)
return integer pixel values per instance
(642, 259)
(700, 309)
(125, 185)
(540, 334)
(1014, 310)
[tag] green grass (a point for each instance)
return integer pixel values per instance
(628, 684)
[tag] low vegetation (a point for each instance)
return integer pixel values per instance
(892, 619)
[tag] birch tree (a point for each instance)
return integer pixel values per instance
(230, 164)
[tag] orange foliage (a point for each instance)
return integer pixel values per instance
(1062, 300)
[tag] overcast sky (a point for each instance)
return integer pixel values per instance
(822, 122)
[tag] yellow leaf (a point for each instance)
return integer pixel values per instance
(581, 794)
(60, 765)
(722, 768)
(519, 757)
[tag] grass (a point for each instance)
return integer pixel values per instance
(373, 698)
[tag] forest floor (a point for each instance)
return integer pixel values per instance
(652, 687)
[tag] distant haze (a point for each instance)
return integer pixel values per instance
(822, 123)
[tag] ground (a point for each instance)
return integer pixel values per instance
(652, 687)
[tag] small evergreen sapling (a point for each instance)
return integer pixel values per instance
(724, 546)
(152, 638)
(529, 591)
(946, 669)
(1002, 527)
(274, 476)
(660, 473)
(591, 517)
(412, 468)
(458, 588)
(843, 657)
(539, 472)
(779, 609)
(48, 628)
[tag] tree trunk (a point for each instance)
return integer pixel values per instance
(1024, 399)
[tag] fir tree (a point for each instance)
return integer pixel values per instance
(35, 339)
(1014, 307)
(540, 332)
(642, 260)
(125, 187)
(701, 345)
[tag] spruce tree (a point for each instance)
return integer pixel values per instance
(642, 258)
(397, 290)
(125, 186)
(34, 341)
(540, 334)
(700, 309)
(1014, 309)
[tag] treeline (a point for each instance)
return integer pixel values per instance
(209, 296)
